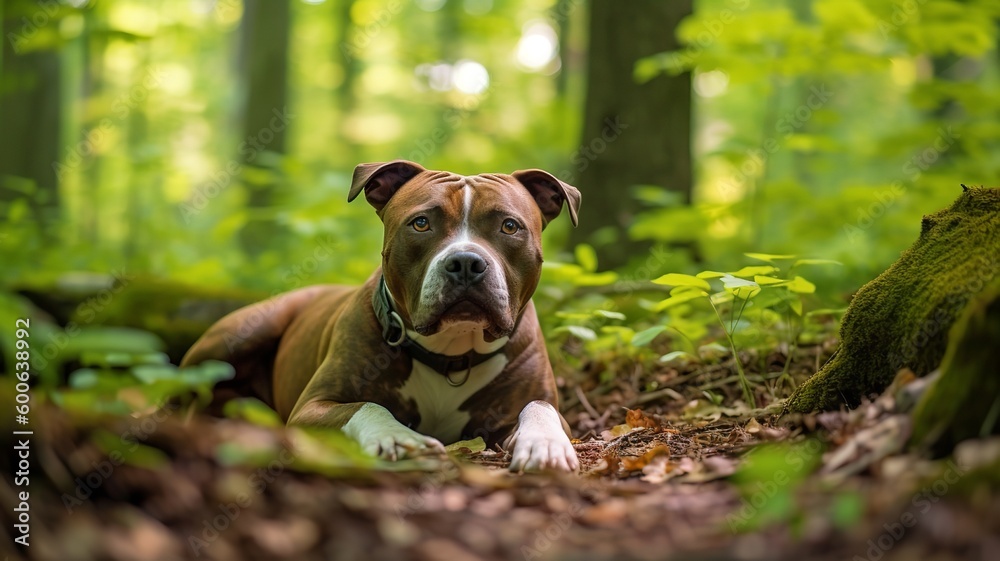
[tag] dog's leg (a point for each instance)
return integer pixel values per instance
(371, 425)
(540, 442)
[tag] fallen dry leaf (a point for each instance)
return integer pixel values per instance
(659, 470)
(710, 469)
(636, 418)
(636, 464)
(615, 432)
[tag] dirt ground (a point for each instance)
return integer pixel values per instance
(666, 473)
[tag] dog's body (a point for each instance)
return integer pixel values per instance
(442, 342)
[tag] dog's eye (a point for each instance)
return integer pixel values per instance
(509, 227)
(421, 224)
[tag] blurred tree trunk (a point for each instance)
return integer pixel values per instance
(561, 13)
(347, 52)
(632, 133)
(30, 88)
(94, 46)
(264, 60)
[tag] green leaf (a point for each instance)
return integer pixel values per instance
(801, 286)
(710, 275)
(754, 270)
(149, 373)
(596, 279)
(625, 333)
(586, 257)
(578, 331)
(675, 355)
(678, 279)
(609, 314)
(816, 262)
(769, 281)
(83, 378)
(769, 257)
(475, 445)
(131, 452)
(574, 316)
(826, 312)
(252, 410)
(796, 305)
(713, 398)
(646, 336)
(741, 288)
(679, 298)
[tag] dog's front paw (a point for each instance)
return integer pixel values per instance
(380, 434)
(401, 442)
(539, 442)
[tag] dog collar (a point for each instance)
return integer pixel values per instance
(394, 334)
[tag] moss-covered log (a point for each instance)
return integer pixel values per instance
(902, 317)
(964, 401)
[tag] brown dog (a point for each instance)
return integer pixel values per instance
(441, 344)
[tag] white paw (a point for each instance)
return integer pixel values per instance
(401, 443)
(380, 434)
(539, 443)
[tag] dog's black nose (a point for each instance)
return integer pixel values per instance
(465, 267)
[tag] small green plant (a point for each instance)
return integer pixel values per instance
(773, 287)
(122, 383)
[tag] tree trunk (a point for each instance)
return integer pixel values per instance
(264, 57)
(633, 134)
(31, 115)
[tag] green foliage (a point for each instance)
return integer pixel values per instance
(755, 306)
(769, 481)
(772, 296)
(119, 383)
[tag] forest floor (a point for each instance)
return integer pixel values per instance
(665, 473)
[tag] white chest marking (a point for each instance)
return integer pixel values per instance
(438, 402)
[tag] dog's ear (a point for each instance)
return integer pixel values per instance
(380, 181)
(550, 193)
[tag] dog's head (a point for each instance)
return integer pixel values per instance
(462, 249)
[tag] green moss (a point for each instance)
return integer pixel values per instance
(902, 317)
(964, 401)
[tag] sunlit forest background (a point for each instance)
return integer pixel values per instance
(745, 166)
(213, 141)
